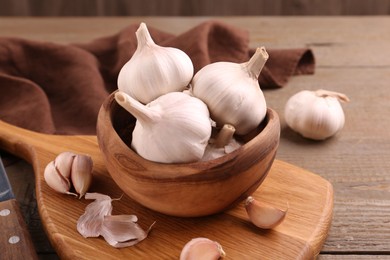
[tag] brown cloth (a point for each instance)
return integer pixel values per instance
(58, 89)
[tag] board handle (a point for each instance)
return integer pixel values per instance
(15, 241)
(19, 141)
(26, 144)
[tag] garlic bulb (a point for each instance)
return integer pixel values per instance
(315, 114)
(174, 128)
(154, 70)
(232, 92)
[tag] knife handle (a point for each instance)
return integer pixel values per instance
(15, 240)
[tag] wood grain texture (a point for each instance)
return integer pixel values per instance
(301, 235)
(352, 56)
(192, 7)
(16, 241)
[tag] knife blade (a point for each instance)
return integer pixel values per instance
(15, 240)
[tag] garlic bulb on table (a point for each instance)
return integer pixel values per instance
(232, 92)
(315, 114)
(154, 70)
(174, 128)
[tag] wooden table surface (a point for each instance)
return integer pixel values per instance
(352, 57)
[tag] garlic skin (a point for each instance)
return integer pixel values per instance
(202, 248)
(154, 70)
(232, 92)
(316, 115)
(174, 128)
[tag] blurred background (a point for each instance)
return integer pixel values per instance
(191, 7)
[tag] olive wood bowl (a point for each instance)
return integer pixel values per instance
(190, 189)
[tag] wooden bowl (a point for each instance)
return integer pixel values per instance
(190, 189)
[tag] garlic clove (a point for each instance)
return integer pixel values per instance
(154, 70)
(264, 215)
(56, 180)
(232, 92)
(81, 173)
(202, 248)
(63, 162)
(316, 115)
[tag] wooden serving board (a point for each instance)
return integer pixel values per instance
(308, 196)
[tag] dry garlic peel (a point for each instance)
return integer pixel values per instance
(154, 70)
(263, 215)
(232, 92)
(202, 248)
(174, 128)
(118, 230)
(315, 114)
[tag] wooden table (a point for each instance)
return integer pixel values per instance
(352, 57)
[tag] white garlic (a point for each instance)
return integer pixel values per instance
(232, 92)
(174, 128)
(202, 248)
(154, 70)
(315, 114)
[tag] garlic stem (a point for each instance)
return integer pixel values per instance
(137, 109)
(224, 136)
(143, 36)
(326, 93)
(257, 62)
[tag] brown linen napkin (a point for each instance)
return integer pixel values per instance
(58, 89)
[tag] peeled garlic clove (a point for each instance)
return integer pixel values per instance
(56, 180)
(315, 114)
(174, 128)
(63, 162)
(154, 70)
(262, 214)
(82, 173)
(232, 92)
(202, 248)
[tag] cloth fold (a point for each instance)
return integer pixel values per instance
(58, 89)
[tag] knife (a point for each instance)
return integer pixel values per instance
(15, 240)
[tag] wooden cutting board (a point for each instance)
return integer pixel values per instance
(308, 196)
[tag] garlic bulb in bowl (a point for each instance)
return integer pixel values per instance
(317, 114)
(232, 92)
(174, 128)
(154, 70)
